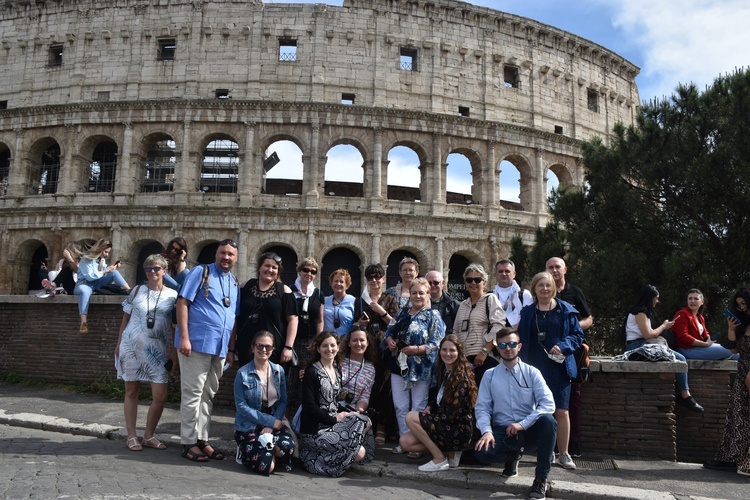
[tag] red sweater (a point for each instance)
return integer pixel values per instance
(686, 329)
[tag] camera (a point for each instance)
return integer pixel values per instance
(375, 328)
(150, 322)
(304, 317)
(542, 336)
(336, 323)
(253, 318)
(227, 302)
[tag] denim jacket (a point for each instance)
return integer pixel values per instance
(248, 398)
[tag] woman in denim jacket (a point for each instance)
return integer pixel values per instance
(260, 398)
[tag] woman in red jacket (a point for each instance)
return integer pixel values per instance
(691, 334)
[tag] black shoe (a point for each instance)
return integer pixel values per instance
(719, 465)
(538, 489)
(511, 468)
(689, 403)
(575, 450)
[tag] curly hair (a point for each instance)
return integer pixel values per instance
(461, 369)
(318, 341)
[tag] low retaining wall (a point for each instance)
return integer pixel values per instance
(628, 409)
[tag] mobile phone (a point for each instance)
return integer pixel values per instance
(364, 317)
(730, 314)
(117, 262)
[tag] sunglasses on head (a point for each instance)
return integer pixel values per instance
(231, 243)
(308, 270)
(272, 256)
(505, 345)
(154, 269)
(473, 280)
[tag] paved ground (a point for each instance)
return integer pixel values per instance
(39, 462)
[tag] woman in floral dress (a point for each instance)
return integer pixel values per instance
(141, 352)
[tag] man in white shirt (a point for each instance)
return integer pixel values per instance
(511, 296)
(514, 413)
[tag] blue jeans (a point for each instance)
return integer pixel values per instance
(84, 289)
(681, 379)
(540, 437)
(713, 351)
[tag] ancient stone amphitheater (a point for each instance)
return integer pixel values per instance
(140, 120)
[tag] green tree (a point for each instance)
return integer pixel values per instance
(665, 202)
(520, 257)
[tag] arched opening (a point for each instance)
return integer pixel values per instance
(344, 172)
(514, 187)
(35, 279)
(553, 182)
(147, 249)
(4, 168)
(207, 255)
(404, 175)
(158, 169)
(341, 258)
(458, 179)
(285, 177)
(392, 278)
(43, 177)
(102, 168)
(220, 166)
(288, 262)
(456, 266)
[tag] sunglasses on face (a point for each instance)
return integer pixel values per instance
(231, 243)
(374, 277)
(434, 283)
(473, 280)
(505, 345)
(154, 269)
(308, 270)
(264, 347)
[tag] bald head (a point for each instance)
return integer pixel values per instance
(557, 268)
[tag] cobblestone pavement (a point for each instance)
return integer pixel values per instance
(39, 464)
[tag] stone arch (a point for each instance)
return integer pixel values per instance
(157, 159)
(475, 163)
(524, 167)
(287, 176)
(207, 252)
(351, 186)
(98, 155)
(563, 174)
(22, 265)
(404, 190)
(394, 256)
(141, 249)
(44, 160)
(5, 157)
(219, 160)
(342, 256)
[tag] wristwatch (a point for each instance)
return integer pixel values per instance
(485, 350)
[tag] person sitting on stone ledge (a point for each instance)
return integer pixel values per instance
(68, 269)
(176, 253)
(691, 334)
(638, 331)
(93, 274)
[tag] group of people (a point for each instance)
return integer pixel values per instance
(331, 376)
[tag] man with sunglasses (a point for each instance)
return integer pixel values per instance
(206, 311)
(514, 413)
(447, 306)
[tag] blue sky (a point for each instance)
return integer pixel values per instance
(671, 41)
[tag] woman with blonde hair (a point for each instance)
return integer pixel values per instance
(408, 270)
(93, 274)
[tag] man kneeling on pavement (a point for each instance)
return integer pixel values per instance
(514, 413)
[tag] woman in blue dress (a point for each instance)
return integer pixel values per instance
(549, 331)
(338, 310)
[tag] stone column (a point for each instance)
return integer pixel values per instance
(243, 255)
(436, 189)
(439, 259)
(18, 177)
(375, 250)
(184, 171)
(250, 174)
(538, 192)
(310, 243)
(69, 178)
(312, 197)
(491, 181)
(126, 182)
(376, 174)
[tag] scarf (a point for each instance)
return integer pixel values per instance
(310, 290)
(505, 298)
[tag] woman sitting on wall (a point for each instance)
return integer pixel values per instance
(68, 265)
(260, 399)
(93, 274)
(691, 334)
(176, 253)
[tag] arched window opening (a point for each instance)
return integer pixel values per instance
(341, 258)
(285, 176)
(510, 186)
(344, 172)
(35, 272)
(288, 262)
(102, 168)
(207, 254)
(404, 176)
(456, 287)
(220, 167)
(458, 180)
(392, 278)
(159, 167)
(553, 182)
(4, 169)
(43, 177)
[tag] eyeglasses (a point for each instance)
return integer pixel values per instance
(505, 345)
(473, 280)
(434, 283)
(264, 347)
(231, 243)
(374, 277)
(308, 270)
(154, 269)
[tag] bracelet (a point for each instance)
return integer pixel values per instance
(384, 314)
(485, 350)
(289, 347)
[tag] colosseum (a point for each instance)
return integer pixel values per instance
(141, 120)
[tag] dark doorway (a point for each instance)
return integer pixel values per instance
(148, 249)
(392, 277)
(456, 287)
(35, 280)
(341, 258)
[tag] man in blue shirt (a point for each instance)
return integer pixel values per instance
(206, 311)
(514, 413)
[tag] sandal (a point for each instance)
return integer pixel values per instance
(214, 455)
(193, 456)
(380, 438)
(133, 444)
(152, 442)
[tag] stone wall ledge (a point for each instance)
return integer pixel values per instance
(607, 365)
(60, 299)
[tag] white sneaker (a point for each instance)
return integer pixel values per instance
(566, 461)
(238, 457)
(453, 462)
(433, 467)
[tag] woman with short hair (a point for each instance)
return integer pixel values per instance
(408, 270)
(142, 345)
(338, 308)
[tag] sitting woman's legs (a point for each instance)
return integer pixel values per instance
(418, 438)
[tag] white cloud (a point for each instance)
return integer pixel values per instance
(344, 164)
(403, 167)
(290, 160)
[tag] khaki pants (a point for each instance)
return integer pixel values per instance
(199, 375)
